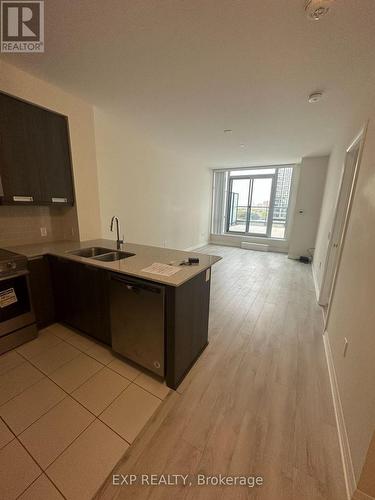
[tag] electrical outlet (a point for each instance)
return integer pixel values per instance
(346, 345)
(43, 231)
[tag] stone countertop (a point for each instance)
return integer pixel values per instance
(144, 256)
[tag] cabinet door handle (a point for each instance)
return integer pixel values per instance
(24, 199)
(59, 200)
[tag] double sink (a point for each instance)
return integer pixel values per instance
(102, 254)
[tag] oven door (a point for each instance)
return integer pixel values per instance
(15, 305)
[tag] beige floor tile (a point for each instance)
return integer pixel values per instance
(152, 384)
(47, 332)
(41, 489)
(17, 470)
(125, 369)
(81, 342)
(81, 470)
(100, 390)
(61, 331)
(41, 344)
(74, 373)
(48, 437)
(10, 360)
(53, 358)
(5, 435)
(128, 414)
(27, 407)
(14, 381)
(101, 353)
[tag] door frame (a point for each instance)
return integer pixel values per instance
(341, 220)
(251, 178)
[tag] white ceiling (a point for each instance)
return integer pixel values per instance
(183, 70)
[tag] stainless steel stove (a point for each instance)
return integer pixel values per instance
(17, 320)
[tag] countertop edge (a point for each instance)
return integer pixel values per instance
(34, 253)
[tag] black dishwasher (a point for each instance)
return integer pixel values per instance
(137, 321)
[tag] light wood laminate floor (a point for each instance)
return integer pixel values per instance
(258, 400)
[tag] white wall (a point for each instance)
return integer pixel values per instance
(82, 137)
(312, 176)
(161, 199)
(352, 313)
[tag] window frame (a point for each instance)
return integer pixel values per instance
(246, 233)
(249, 200)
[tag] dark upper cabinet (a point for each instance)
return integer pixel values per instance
(35, 161)
(19, 172)
(55, 175)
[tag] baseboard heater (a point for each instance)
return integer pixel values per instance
(261, 247)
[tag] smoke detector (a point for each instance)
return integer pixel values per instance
(316, 9)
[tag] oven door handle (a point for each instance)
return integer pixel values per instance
(18, 274)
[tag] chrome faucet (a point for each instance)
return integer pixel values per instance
(113, 220)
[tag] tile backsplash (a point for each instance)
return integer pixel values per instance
(21, 225)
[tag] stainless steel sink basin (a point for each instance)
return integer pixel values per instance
(113, 256)
(91, 252)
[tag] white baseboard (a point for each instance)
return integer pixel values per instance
(201, 245)
(223, 243)
(359, 495)
(292, 256)
(350, 481)
(317, 290)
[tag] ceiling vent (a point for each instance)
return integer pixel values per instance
(316, 9)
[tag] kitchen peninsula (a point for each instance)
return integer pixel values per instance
(159, 322)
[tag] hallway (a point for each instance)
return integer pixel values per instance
(258, 400)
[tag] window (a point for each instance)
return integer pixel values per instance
(281, 203)
(256, 201)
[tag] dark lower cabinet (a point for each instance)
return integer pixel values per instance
(82, 297)
(42, 291)
(95, 303)
(187, 314)
(79, 295)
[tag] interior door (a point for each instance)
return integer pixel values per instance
(345, 197)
